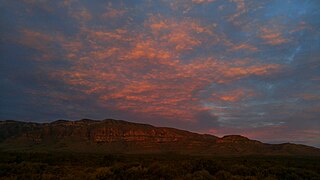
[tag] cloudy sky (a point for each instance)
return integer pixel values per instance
(246, 67)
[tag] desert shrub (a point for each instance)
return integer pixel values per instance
(103, 173)
(240, 169)
(162, 171)
(46, 176)
(211, 166)
(201, 175)
(223, 175)
(271, 177)
(97, 166)
(136, 172)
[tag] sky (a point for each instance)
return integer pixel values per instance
(247, 67)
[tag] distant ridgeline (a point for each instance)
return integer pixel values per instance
(117, 136)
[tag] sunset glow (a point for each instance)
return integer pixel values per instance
(246, 67)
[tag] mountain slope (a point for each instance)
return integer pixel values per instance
(116, 136)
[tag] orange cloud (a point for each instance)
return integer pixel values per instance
(182, 35)
(202, 1)
(241, 8)
(81, 14)
(272, 37)
(310, 97)
(150, 49)
(127, 70)
(233, 96)
(107, 35)
(166, 91)
(244, 46)
(241, 72)
(113, 13)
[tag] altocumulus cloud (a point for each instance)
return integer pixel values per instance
(212, 66)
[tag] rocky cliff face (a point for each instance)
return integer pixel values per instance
(96, 131)
(125, 137)
(108, 135)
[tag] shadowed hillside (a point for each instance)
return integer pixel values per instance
(117, 136)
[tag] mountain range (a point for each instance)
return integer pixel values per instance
(118, 136)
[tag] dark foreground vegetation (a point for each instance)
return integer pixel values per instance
(165, 166)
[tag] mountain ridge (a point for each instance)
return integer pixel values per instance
(119, 136)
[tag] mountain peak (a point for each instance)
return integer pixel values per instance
(234, 137)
